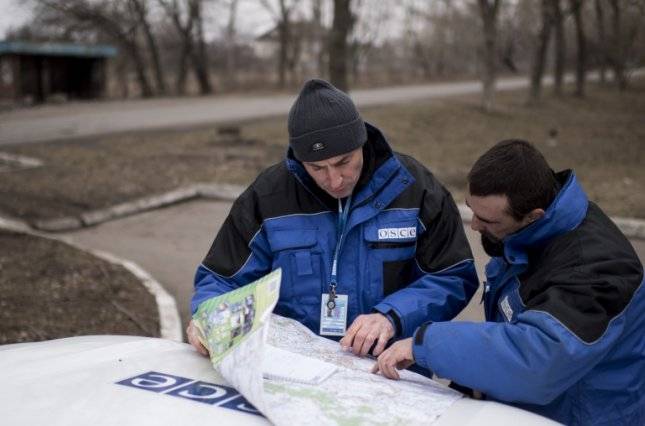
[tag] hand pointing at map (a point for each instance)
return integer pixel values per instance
(365, 331)
(396, 357)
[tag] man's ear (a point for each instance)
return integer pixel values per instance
(535, 214)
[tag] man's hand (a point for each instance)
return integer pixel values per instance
(192, 333)
(364, 331)
(396, 357)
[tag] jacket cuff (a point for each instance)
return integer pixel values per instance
(419, 351)
(391, 315)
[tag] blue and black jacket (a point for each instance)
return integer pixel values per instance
(565, 330)
(404, 251)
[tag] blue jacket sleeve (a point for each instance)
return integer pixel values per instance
(532, 360)
(438, 296)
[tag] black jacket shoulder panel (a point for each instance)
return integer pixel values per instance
(585, 277)
(275, 192)
(444, 242)
(427, 191)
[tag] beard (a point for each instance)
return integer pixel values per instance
(493, 246)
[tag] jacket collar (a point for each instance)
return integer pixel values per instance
(565, 213)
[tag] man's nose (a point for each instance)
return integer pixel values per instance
(475, 224)
(335, 179)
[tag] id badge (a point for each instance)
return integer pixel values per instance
(336, 324)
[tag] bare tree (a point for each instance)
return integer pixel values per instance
(187, 20)
(439, 39)
(140, 8)
(617, 57)
(183, 23)
(602, 40)
(283, 18)
(581, 43)
(627, 22)
(200, 55)
(489, 10)
(539, 59)
(560, 47)
(368, 21)
(230, 43)
(320, 34)
(338, 46)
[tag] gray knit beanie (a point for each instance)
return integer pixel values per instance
(324, 123)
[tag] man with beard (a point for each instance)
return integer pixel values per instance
(366, 237)
(564, 301)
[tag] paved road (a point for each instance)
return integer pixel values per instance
(72, 120)
(169, 243)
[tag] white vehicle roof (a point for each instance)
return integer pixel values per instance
(127, 380)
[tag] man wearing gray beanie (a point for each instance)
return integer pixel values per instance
(365, 237)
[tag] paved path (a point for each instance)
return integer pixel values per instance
(51, 122)
(169, 243)
(79, 119)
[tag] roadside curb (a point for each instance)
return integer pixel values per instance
(223, 192)
(169, 322)
(18, 161)
(631, 227)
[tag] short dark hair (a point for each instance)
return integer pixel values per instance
(514, 168)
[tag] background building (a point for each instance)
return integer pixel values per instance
(36, 72)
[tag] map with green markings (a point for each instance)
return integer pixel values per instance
(236, 328)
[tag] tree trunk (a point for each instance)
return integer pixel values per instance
(581, 57)
(560, 48)
(122, 73)
(140, 68)
(338, 49)
(231, 54)
(283, 52)
(200, 55)
(293, 59)
(142, 13)
(618, 50)
(182, 66)
(184, 31)
(488, 12)
(320, 36)
(539, 59)
(602, 41)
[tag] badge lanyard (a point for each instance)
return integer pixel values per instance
(340, 231)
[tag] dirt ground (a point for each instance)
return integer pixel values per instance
(51, 290)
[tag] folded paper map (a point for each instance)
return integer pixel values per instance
(238, 328)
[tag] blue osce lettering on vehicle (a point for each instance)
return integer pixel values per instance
(194, 390)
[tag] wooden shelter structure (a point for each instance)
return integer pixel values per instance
(33, 72)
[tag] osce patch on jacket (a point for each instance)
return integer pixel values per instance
(396, 233)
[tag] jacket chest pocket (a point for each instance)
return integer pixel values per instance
(296, 251)
(390, 249)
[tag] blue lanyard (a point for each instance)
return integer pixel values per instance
(343, 214)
